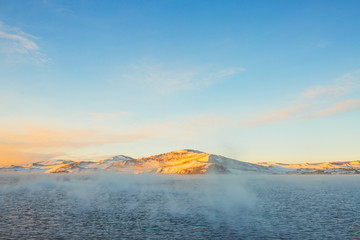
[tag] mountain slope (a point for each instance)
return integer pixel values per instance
(186, 162)
(315, 168)
(66, 166)
(191, 162)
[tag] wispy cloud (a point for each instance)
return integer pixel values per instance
(280, 115)
(339, 107)
(326, 90)
(97, 116)
(315, 102)
(14, 41)
(342, 86)
(304, 112)
(167, 79)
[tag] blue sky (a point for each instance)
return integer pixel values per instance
(252, 80)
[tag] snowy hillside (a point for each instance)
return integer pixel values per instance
(192, 162)
(186, 162)
(64, 166)
(315, 168)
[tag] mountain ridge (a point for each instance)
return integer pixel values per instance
(186, 162)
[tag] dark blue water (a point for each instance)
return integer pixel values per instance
(159, 207)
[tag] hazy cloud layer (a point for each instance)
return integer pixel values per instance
(23, 143)
(34, 143)
(101, 116)
(165, 79)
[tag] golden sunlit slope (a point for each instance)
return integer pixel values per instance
(192, 162)
(187, 162)
(177, 162)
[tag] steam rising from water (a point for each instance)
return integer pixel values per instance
(213, 192)
(114, 205)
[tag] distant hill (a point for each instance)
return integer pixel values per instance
(186, 162)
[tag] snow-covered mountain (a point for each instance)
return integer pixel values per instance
(186, 162)
(67, 166)
(315, 168)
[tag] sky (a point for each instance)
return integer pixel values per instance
(257, 81)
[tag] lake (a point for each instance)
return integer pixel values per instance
(119, 206)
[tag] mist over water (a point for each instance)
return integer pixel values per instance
(111, 205)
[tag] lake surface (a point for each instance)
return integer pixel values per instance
(115, 206)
